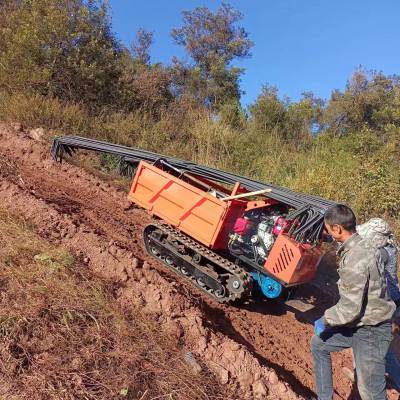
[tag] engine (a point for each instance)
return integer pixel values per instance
(255, 233)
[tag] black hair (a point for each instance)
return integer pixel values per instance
(342, 215)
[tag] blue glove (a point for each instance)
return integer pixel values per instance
(319, 326)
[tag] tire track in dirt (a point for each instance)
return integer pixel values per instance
(274, 336)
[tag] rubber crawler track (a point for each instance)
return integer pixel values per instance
(236, 273)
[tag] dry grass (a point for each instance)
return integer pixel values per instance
(64, 336)
(7, 168)
(35, 110)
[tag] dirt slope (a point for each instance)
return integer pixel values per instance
(261, 347)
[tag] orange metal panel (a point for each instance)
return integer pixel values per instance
(196, 212)
(291, 262)
(251, 205)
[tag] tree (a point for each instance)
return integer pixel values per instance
(213, 41)
(64, 48)
(303, 118)
(371, 100)
(7, 8)
(140, 48)
(233, 115)
(290, 121)
(268, 113)
(143, 85)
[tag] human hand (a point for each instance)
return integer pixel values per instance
(319, 326)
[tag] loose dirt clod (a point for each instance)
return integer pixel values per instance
(37, 134)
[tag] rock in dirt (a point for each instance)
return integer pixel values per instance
(17, 126)
(190, 360)
(259, 389)
(37, 134)
(127, 205)
(282, 389)
(246, 379)
(223, 375)
(273, 378)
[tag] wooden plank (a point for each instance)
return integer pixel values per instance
(242, 195)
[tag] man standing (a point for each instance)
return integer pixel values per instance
(361, 318)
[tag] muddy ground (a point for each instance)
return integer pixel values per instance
(260, 347)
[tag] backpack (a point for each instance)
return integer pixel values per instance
(377, 232)
(380, 235)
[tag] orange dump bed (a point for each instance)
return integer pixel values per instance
(196, 212)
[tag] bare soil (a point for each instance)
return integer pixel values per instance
(261, 347)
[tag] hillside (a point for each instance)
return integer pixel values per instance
(64, 207)
(72, 256)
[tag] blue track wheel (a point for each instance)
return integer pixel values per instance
(269, 287)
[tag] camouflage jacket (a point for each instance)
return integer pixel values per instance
(364, 298)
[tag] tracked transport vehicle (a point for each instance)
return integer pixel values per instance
(223, 232)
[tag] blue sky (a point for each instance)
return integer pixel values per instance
(300, 45)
